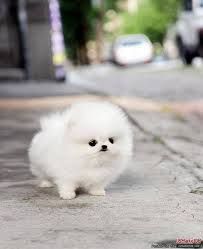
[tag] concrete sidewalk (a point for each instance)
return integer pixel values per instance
(32, 89)
(157, 200)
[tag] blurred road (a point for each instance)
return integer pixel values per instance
(165, 80)
(160, 81)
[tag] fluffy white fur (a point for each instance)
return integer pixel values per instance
(60, 153)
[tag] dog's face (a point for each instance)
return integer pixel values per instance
(103, 135)
(94, 143)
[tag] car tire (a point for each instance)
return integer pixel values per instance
(186, 55)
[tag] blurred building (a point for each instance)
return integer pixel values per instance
(31, 40)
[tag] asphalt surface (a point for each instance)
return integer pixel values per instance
(159, 81)
(165, 80)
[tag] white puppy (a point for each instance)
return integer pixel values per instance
(87, 146)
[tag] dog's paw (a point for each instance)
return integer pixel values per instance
(67, 195)
(66, 192)
(46, 184)
(98, 192)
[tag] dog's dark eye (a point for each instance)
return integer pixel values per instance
(111, 140)
(92, 142)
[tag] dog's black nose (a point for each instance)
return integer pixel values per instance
(104, 148)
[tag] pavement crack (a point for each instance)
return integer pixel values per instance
(158, 139)
(187, 139)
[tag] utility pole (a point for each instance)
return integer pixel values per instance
(23, 30)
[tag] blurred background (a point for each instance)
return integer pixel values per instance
(74, 42)
(97, 31)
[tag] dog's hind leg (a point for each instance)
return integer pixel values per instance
(42, 179)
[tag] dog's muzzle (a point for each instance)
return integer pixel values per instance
(104, 148)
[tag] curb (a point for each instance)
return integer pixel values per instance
(130, 103)
(137, 104)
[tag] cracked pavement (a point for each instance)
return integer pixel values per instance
(158, 199)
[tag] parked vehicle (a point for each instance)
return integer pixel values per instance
(132, 49)
(189, 30)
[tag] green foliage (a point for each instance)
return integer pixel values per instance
(152, 18)
(77, 18)
(111, 4)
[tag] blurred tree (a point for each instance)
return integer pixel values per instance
(152, 18)
(83, 20)
(77, 24)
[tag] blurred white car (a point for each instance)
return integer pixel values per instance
(132, 49)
